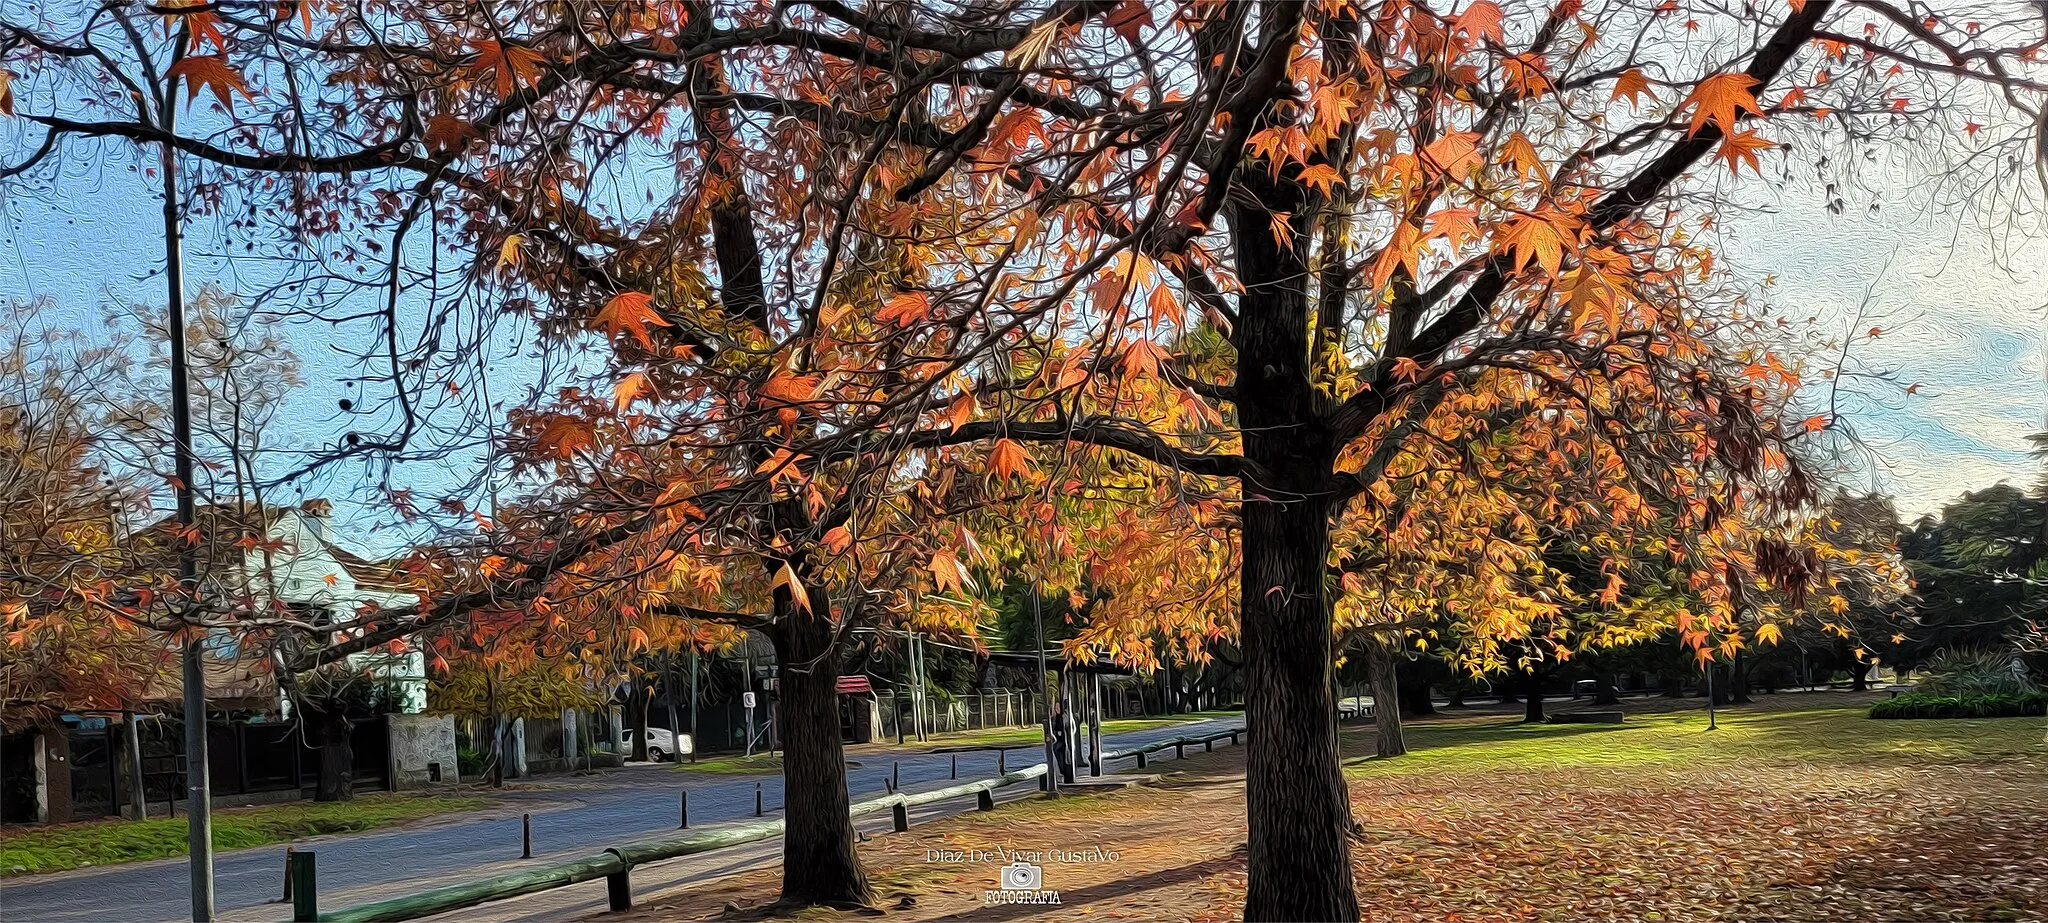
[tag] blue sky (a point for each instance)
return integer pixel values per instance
(1960, 295)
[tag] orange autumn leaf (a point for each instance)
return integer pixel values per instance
(631, 313)
(905, 309)
(1634, 85)
(1008, 460)
(630, 387)
(210, 71)
(563, 436)
(1741, 148)
(1720, 100)
(513, 66)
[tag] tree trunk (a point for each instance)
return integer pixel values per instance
(1297, 806)
(1386, 698)
(337, 756)
(1532, 710)
(1859, 680)
(818, 861)
(1603, 689)
(1415, 697)
(56, 773)
(1738, 681)
(1454, 697)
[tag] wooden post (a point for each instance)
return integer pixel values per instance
(1233, 738)
(901, 814)
(1177, 752)
(1141, 759)
(525, 836)
(1209, 745)
(1095, 724)
(618, 890)
(757, 799)
(301, 880)
(1000, 754)
(984, 800)
(685, 825)
(895, 776)
(955, 773)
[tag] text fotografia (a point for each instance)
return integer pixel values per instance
(1020, 883)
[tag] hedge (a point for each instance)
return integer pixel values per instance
(1996, 705)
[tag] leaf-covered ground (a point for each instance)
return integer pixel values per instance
(1795, 809)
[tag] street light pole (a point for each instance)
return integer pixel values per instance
(1052, 781)
(198, 788)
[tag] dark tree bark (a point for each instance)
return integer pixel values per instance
(1454, 697)
(1532, 710)
(56, 772)
(331, 727)
(1415, 697)
(819, 865)
(1738, 681)
(1386, 698)
(1297, 807)
(1603, 689)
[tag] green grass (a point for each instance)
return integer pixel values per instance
(733, 765)
(1840, 735)
(25, 850)
(1027, 735)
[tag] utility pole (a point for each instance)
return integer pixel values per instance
(198, 788)
(1052, 780)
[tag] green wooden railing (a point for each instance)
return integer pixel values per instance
(615, 864)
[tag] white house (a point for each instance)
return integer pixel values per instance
(290, 555)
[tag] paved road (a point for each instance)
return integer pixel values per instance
(574, 817)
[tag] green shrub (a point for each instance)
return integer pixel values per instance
(1996, 705)
(1972, 672)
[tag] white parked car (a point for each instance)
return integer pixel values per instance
(662, 743)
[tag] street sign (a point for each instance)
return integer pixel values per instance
(747, 700)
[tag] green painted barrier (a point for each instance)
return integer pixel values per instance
(617, 862)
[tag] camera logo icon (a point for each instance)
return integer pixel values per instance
(1022, 876)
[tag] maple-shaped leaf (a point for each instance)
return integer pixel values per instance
(448, 133)
(210, 71)
(947, 572)
(1142, 358)
(837, 539)
(905, 309)
(1128, 19)
(630, 387)
(1007, 460)
(1767, 633)
(512, 65)
(1482, 20)
(1720, 100)
(1741, 148)
(1455, 154)
(1634, 85)
(632, 313)
(1522, 155)
(1532, 238)
(1454, 225)
(563, 435)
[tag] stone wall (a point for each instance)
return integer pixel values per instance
(422, 750)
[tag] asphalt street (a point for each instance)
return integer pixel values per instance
(572, 816)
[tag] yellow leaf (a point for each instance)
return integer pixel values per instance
(508, 252)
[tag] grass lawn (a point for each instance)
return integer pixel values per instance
(25, 849)
(1028, 735)
(733, 765)
(1744, 736)
(1797, 808)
